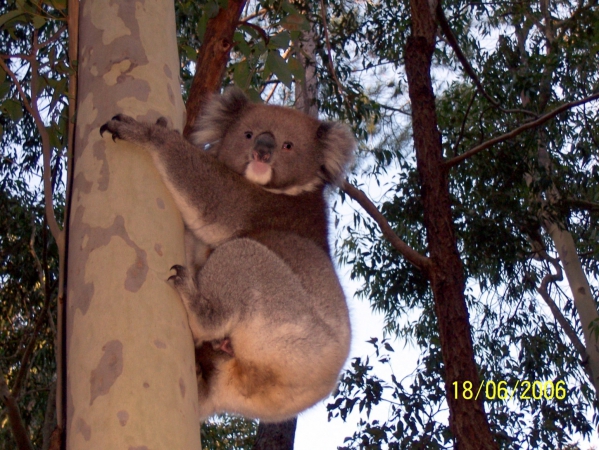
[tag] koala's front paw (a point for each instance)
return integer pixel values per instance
(182, 282)
(126, 128)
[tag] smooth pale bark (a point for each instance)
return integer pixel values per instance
(581, 292)
(131, 381)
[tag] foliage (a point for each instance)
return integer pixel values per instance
(499, 195)
(228, 433)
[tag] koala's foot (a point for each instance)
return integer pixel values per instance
(183, 283)
(126, 128)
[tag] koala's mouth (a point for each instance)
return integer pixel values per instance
(258, 172)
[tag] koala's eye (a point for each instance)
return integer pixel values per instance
(248, 134)
(287, 145)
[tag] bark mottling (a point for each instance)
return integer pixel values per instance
(84, 429)
(123, 417)
(107, 371)
(182, 387)
(100, 154)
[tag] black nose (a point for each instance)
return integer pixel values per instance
(263, 147)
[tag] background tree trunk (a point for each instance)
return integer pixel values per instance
(131, 375)
(467, 417)
(276, 436)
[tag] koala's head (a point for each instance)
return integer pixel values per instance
(279, 148)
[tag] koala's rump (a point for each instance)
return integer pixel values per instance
(290, 336)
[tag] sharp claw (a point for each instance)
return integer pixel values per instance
(172, 278)
(103, 128)
(115, 117)
(114, 137)
(177, 267)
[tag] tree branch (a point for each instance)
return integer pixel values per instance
(17, 427)
(212, 60)
(453, 42)
(31, 107)
(419, 261)
(527, 126)
(570, 332)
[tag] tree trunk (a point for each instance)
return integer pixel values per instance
(212, 60)
(276, 436)
(131, 379)
(467, 417)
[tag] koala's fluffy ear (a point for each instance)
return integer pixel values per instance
(221, 111)
(338, 145)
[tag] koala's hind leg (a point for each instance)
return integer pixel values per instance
(281, 348)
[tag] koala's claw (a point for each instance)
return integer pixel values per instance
(125, 128)
(180, 276)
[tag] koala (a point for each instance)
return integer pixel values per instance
(266, 310)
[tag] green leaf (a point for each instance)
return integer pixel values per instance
(201, 26)
(241, 44)
(277, 65)
(59, 4)
(38, 21)
(296, 68)
(4, 18)
(241, 74)
(295, 22)
(12, 109)
(279, 40)
(211, 9)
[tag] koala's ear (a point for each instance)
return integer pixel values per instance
(219, 114)
(338, 145)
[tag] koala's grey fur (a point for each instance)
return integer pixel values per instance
(266, 309)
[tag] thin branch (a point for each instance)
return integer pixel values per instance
(391, 108)
(31, 107)
(419, 261)
(463, 127)
(259, 29)
(323, 13)
(53, 38)
(453, 42)
(272, 91)
(527, 126)
(16, 55)
(14, 417)
(570, 332)
(253, 15)
(582, 204)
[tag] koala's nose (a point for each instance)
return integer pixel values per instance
(263, 147)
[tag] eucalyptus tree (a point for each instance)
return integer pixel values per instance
(498, 177)
(518, 130)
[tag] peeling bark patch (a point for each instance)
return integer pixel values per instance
(182, 387)
(99, 150)
(160, 203)
(123, 417)
(159, 344)
(84, 429)
(107, 371)
(158, 249)
(167, 71)
(146, 384)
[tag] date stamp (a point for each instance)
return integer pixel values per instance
(521, 390)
